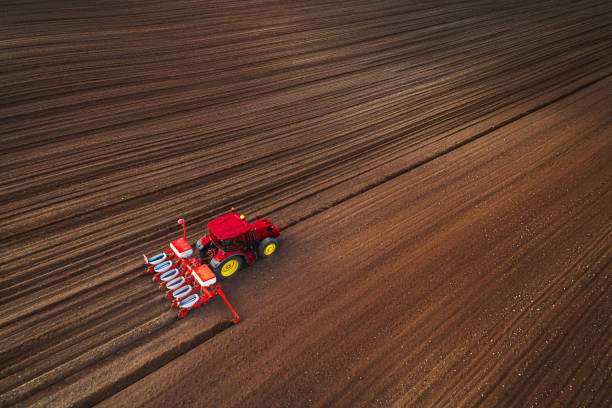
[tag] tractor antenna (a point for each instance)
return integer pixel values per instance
(182, 222)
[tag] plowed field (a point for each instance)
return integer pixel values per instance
(441, 173)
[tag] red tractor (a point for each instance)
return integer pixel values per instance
(231, 244)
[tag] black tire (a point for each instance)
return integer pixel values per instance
(231, 270)
(267, 247)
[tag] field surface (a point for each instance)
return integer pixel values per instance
(441, 172)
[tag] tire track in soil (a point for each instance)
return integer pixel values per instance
(84, 340)
(93, 356)
(556, 292)
(477, 368)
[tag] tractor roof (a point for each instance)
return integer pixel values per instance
(228, 226)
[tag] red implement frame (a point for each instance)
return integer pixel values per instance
(207, 294)
(186, 270)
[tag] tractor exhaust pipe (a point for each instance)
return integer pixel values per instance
(182, 222)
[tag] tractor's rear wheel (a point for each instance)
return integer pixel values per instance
(229, 267)
(267, 247)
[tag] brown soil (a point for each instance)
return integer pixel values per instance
(440, 172)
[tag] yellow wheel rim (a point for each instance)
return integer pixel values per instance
(270, 249)
(230, 268)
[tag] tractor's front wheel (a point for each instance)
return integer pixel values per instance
(267, 247)
(228, 267)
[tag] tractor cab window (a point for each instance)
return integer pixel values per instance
(239, 243)
(231, 245)
(234, 244)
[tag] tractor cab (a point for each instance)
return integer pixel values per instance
(230, 233)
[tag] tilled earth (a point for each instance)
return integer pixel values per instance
(441, 172)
